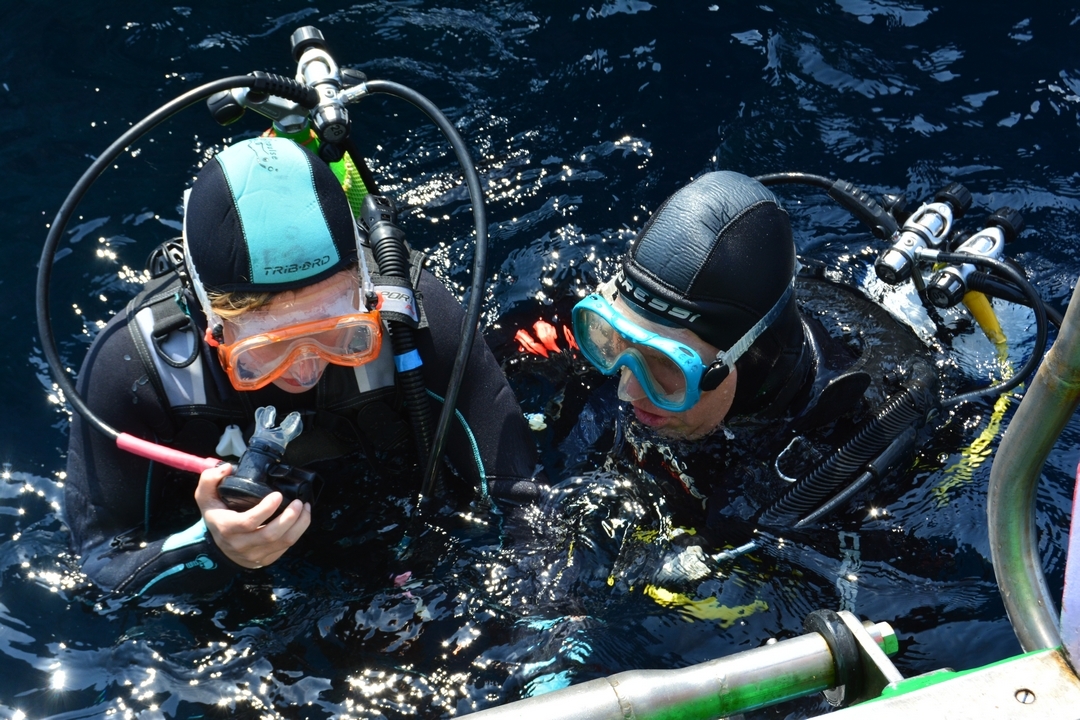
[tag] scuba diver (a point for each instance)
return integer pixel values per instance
(719, 393)
(733, 393)
(274, 305)
(736, 387)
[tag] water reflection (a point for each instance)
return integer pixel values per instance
(582, 120)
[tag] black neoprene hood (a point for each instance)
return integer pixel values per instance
(714, 258)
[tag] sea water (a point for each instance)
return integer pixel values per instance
(582, 118)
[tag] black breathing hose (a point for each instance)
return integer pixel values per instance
(392, 256)
(273, 84)
(879, 467)
(904, 411)
(1017, 279)
(908, 407)
(996, 287)
(858, 203)
(470, 325)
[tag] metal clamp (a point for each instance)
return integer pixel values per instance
(862, 668)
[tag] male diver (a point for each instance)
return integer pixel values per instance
(273, 305)
(736, 388)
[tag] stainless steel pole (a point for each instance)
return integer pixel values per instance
(744, 681)
(1047, 406)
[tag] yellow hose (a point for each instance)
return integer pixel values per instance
(708, 608)
(979, 451)
(979, 306)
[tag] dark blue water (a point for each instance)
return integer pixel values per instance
(582, 119)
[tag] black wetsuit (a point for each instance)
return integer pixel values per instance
(136, 525)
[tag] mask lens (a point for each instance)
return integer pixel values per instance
(364, 340)
(667, 377)
(600, 342)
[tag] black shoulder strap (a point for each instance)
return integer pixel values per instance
(158, 294)
(171, 315)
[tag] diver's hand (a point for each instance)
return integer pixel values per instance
(247, 538)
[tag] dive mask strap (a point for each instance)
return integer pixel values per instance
(725, 360)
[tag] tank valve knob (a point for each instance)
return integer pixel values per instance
(958, 196)
(304, 38)
(1010, 221)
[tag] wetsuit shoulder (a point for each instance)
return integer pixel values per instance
(857, 334)
(490, 443)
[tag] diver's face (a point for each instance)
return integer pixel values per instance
(292, 309)
(707, 414)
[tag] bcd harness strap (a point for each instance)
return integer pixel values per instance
(166, 339)
(169, 318)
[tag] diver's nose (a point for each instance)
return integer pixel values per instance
(307, 370)
(629, 387)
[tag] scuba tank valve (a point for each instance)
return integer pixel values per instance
(317, 69)
(948, 286)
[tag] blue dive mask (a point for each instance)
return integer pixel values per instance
(671, 373)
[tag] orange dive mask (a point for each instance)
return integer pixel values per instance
(298, 333)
